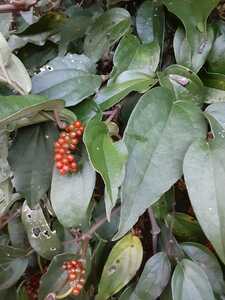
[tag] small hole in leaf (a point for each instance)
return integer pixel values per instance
(46, 233)
(117, 261)
(29, 216)
(132, 246)
(36, 231)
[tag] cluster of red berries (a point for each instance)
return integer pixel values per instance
(67, 142)
(32, 286)
(76, 275)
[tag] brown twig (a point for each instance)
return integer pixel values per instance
(17, 5)
(155, 230)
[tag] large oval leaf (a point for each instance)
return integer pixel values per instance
(32, 162)
(189, 281)
(208, 262)
(13, 263)
(199, 12)
(155, 151)
(184, 82)
(70, 78)
(204, 172)
(132, 55)
(71, 195)
(42, 239)
(108, 159)
(154, 278)
(106, 30)
(193, 58)
(150, 22)
(15, 108)
(122, 264)
(126, 82)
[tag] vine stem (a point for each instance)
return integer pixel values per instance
(17, 5)
(155, 230)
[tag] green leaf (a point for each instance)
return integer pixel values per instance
(208, 262)
(107, 158)
(13, 264)
(217, 110)
(189, 281)
(214, 80)
(17, 233)
(132, 55)
(184, 227)
(106, 30)
(150, 22)
(76, 191)
(154, 278)
(183, 82)
(193, 58)
(126, 82)
(216, 57)
(6, 19)
(69, 78)
(122, 264)
(86, 110)
(16, 108)
(32, 162)
(5, 184)
(199, 12)
(153, 145)
(12, 71)
(33, 56)
(212, 95)
(52, 280)
(42, 239)
(204, 172)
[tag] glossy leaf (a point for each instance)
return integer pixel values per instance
(107, 158)
(214, 80)
(126, 82)
(183, 82)
(156, 122)
(42, 239)
(122, 264)
(32, 162)
(106, 30)
(76, 191)
(6, 19)
(204, 172)
(189, 281)
(52, 280)
(199, 12)
(15, 108)
(217, 110)
(193, 58)
(69, 78)
(208, 262)
(5, 184)
(216, 57)
(132, 55)
(154, 278)
(184, 227)
(213, 95)
(13, 263)
(150, 22)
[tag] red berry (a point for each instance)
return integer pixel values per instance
(79, 132)
(58, 156)
(65, 146)
(57, 144)
(74, 141)
(73, 147)
(65, 168)
(73, 134)
(63, 134)
(61, 150)
(59, 165)
(76, 292)
(77, 124)
(70, 158)
(82, 128)
(73, 165)
(61, 141)
(72, 277)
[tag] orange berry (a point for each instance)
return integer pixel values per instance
(77, 124)
(76, 292)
